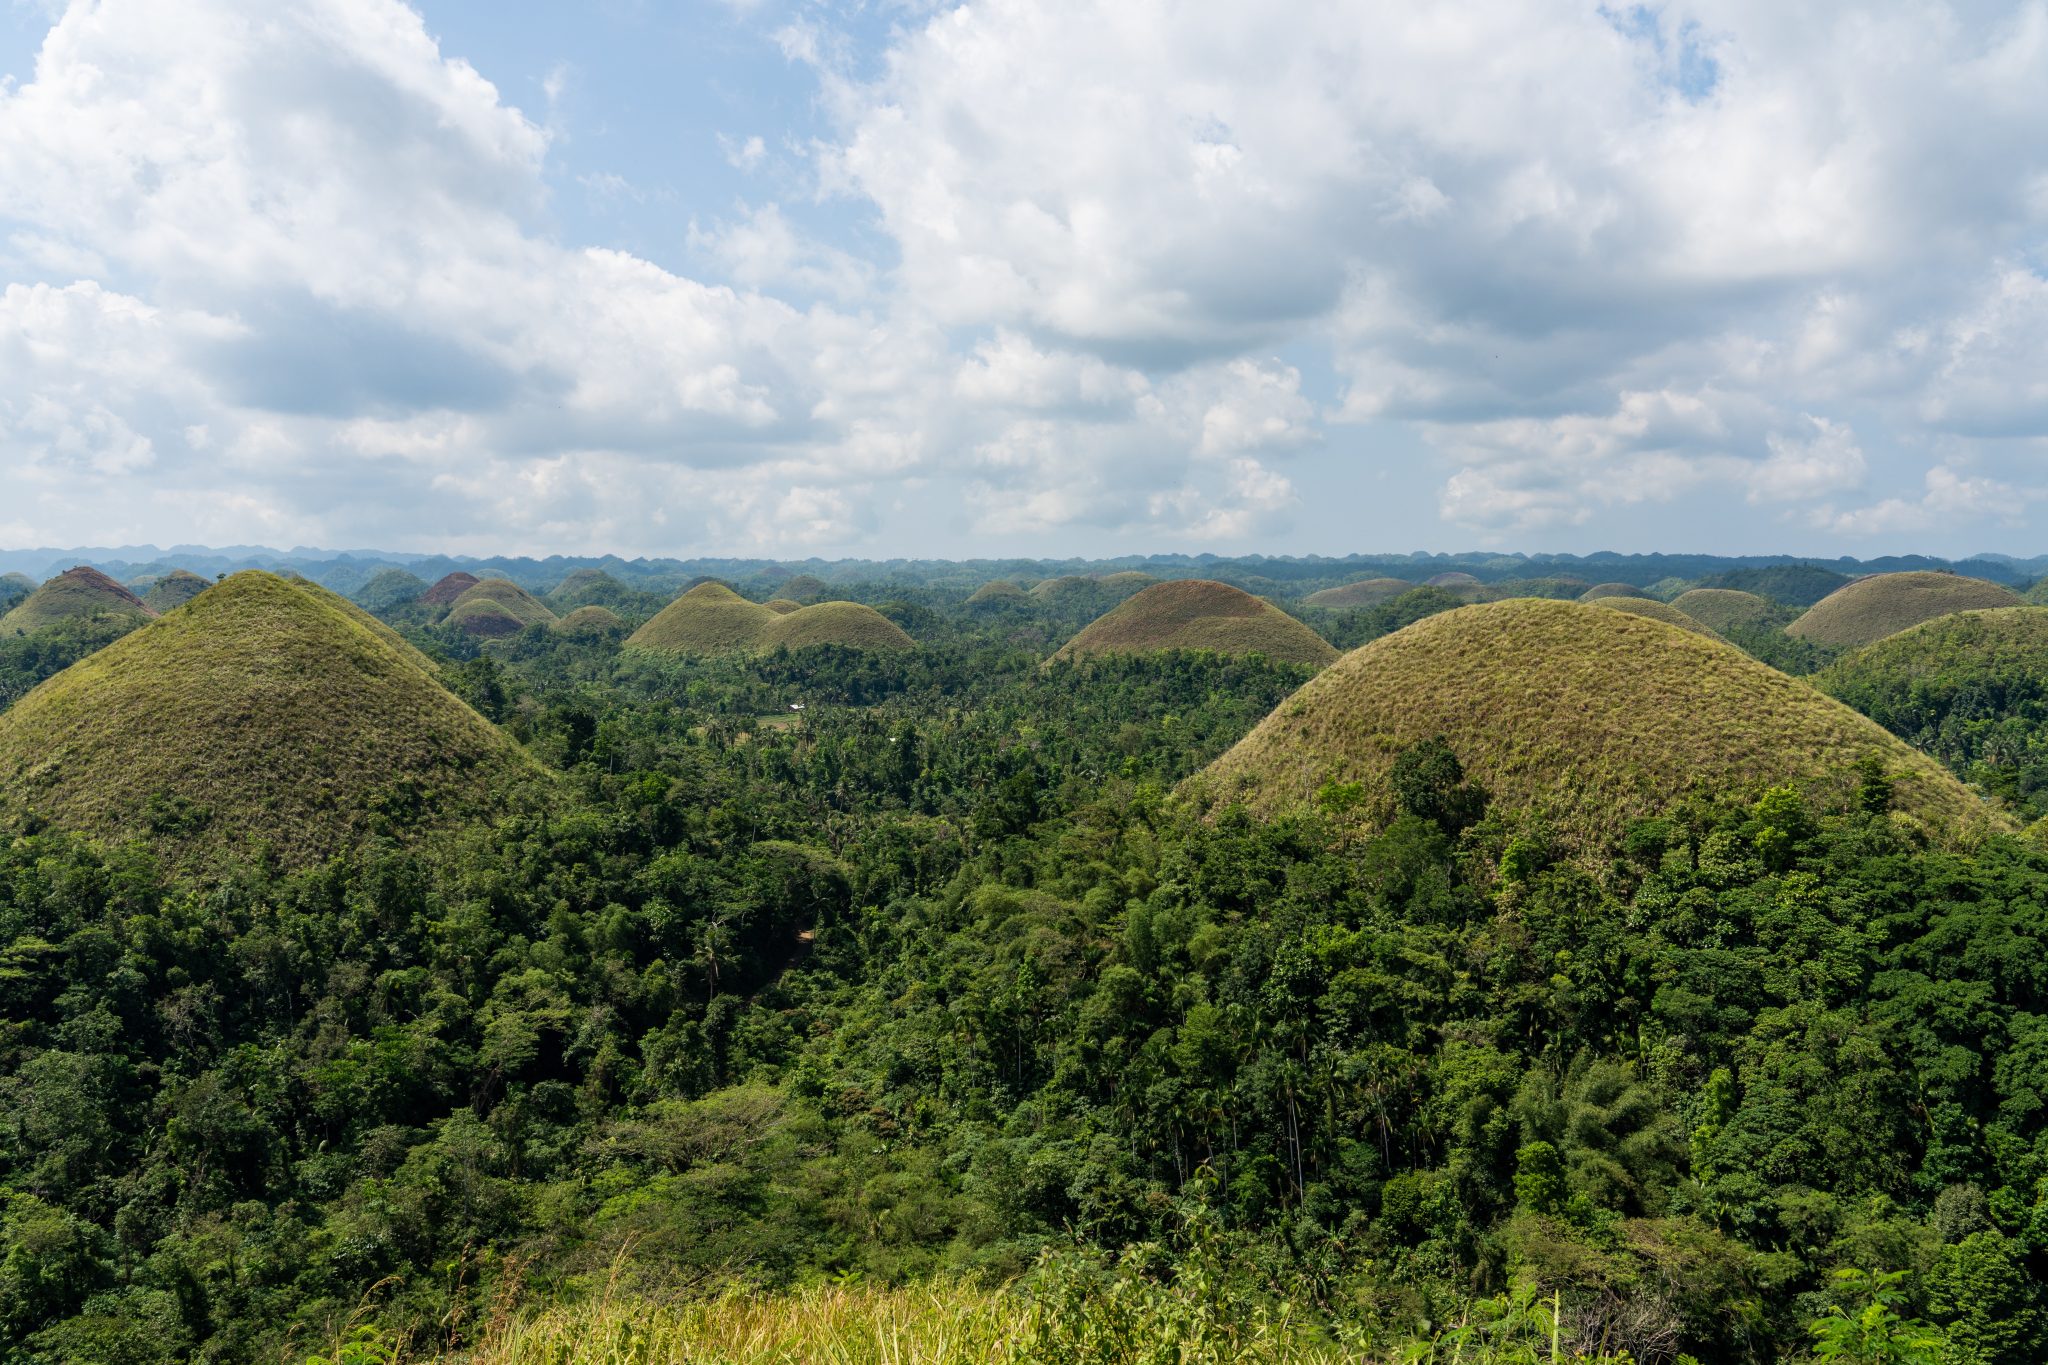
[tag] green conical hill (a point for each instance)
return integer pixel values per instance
(847, 624)
(1196, 613)
(1366, 592)
(174, 589)
(1595, 717)
(259, 713)
(81, 592)
(390, 588)
(1001, 590)
(1654, 610)
(515, 601)
(587, 588)
(448, 588)
(1726, 609)
(707, 619)
(1869, 609)
(14, 587)
(1603, 590)
(803, 587)
(589, 621)
(1453, 579)
(1047, 589)
(368, 622)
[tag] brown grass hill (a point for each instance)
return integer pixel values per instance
(78, 593)
(1000, 592)
(1199, 614)
(258, 715)
(846, 624)
(388, 588)
(1052, 589)
(516, 601)
(1869, 609)
(708, 619)
(782, 606)
(590, 622)
(174, 589)
(483, 619)
(803, 588)
(1726, 609)
(1595, 718)
(1366, 592)
(1601, 590)
(1655, 611)
(1124, 581)
(448, 588)
(1454, 579)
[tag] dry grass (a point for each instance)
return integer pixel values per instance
(1604, 590)
(712, 619)
(447, 589)
(1001, 590)
(79, 592)
(1199, 614)
(1726, 609)
(1871, 608)
(262, 712)
(588, 621)
(1453, 579)
(484, 619)
(1047, 589)
(1367, 592)
(516, 601)
(1594, 717)
(1654, 610)
(848, 624)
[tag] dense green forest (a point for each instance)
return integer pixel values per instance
(864, 968)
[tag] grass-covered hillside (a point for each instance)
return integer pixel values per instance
(1654, 610)
(1002, 590)
(848, 625)
(1885, 604)
(1367, 592)
(257, 716)
(388, 588)
(448, 588)
(1603, 590)
(174, 589)
(14, 587)
(711, 619)
(590, 621)
(1796, 585)
(1592, 717)
(1970, 688)
(521, 605)
(1725, 609)
(1197, 614)
(82, 593)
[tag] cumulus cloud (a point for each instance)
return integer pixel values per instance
(298, 273)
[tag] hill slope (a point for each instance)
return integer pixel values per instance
(589, 621)
(1001, 590)
(1597, 717)
(1367, 592)
(848, 624)
(258, 713)
(1726, 609)
(78, 592)
(448, 588)
(1654, 610)
(174, 589)
(389, 588)
(514, 600)
(707, 619)
(1604, 590)
(1884, 604)
(1197, 614)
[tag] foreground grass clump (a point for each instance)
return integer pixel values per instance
(1367, 592)
(82, 593)
(1592, 716)
(1871, 608)
(261, 713)
(1198, 614)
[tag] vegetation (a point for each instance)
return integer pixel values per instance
(1970, 689)
(447, 589)
(1725, 609)
(14, 587)
(258, 719)
(711, 618)
(174, 589)
(390, 588)
(802, 587)
(76, 594)
(1884, 604)
(1591, 718)
(1604, 590)
(1795, 585)
(516, 601)
(1655, 611)
(1453, 579)
(1001, 590)
(1193, 614)
(484, 619)
(848, 625)
(782, 606)
(591, 621)
(1367, 592)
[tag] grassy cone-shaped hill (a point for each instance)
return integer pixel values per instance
(390, 588)
(258, 713)
(75, 593)
(514, 600)
(1726, 609)
(1198, 614)
(782, 606)
(1654, 610)
(1002, 590)
(447, 589)
(1910, 682)
(1125, 580)
(1603, 590)
(587, 588)
(1367, 592)
(707, 619)
(174, 589)
(1453, 579)
(848, 624)
(587, 622)
(483, 619)
(1596, 717)
(803, 587)
(1047, 589)
(1869, 609)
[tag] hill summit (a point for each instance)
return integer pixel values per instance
(174, 589)
(1593, 716)
(81, 592)
(261, 713)
(1366, 592)
(1196, 613)
(1884, 604)
(711, 619)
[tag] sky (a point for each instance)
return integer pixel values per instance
(1025, 277)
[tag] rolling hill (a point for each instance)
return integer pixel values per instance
(587, 588)
(707, 619)
(1595, 717)
(1726, 609)
(1869, 609)
(1654, 610)
(1453, 579)
(1603, 590)
(515, 601)
(484, 619)
(388, 588)
(847, 624)
(1795, 585)
(14, 587)
(260, 713)
(1002, 590)
(448, 588)
(589, 622)
(782, 606)
(174, 589)
(1198, 614)
(803, 587)
(78, 593)
(1366, 592)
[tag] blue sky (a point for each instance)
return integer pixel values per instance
(1026, 276)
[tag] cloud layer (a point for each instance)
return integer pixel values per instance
(1083, 275)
